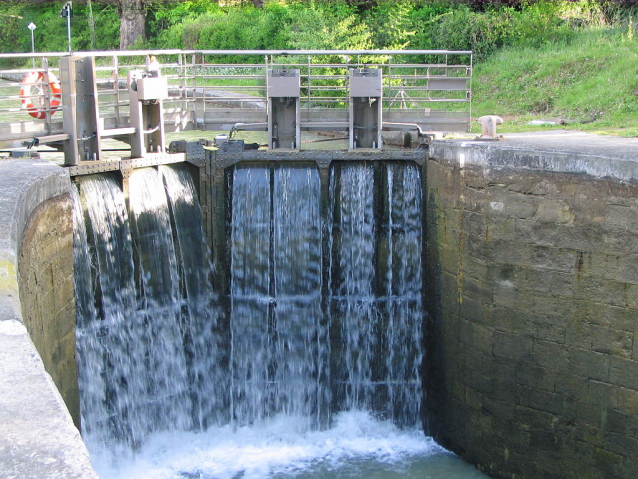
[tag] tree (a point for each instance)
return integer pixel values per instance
(132, 22)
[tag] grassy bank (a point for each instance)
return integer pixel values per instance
(589, 83)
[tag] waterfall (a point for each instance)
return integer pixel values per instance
(403, 289)
(277, 335)
(376, 288)
(135, 332)
(354, 310)
(203, 337)
(107, 333)
(323, 313)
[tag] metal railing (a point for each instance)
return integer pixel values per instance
(211, 90)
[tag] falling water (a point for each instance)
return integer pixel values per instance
(203, 339)
(301, 346)
(376, 288)
(278, 339)
(107, 333)
(295, 372)
(354, 311)
(135, 334)
(403, 289)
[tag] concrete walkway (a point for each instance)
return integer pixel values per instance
(559, 151)
(566, 141)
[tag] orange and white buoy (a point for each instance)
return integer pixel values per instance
(32, 92)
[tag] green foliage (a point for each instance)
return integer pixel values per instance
(332, 28)
(51, 30)
(591, 81)
(13, 31)
(166, 22)
(483, 26)
(391, 24)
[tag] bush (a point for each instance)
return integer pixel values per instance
(328, 27)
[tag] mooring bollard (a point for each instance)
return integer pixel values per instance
(488, 124)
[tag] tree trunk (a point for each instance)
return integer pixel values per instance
(132, 22)
(91, 24)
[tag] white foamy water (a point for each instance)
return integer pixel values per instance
(274, 448)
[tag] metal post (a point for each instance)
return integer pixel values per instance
(68, 29)
(31, 26)
(67, 12)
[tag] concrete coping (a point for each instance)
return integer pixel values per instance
(37, 436)
(555, 151)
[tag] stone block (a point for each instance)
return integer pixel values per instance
(545, 328)
(502, 319)
(515, 206)
(632, 426)
(470, 309)
(621, 217)
(473, 399)
(613, 341)
(500, 410)
(601, 394)
(588, 425)
(571, 386)
(578, 334)
(534, 418)
(544, 281)
(550, 355)
(528, 374)
(577, 450)
(475, 269)
(505, 389)
(512, 346)
(609, 462)
(546, 441)
(449, 259)
(554, 211)
(500, 229)
(631, 296)
(477, 290)
(479, 382)
(589, 364)
(473, 224)
(628, 401)
(508, 295)
(614, 421)
(624, 373)
(554, 259)
(556, 308)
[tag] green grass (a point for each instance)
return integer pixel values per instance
(589, 83)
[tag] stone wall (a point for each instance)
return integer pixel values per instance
(37, 436)
(532, 365)
(47, 294)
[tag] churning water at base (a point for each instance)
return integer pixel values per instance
(357, 446)
(308, 362)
